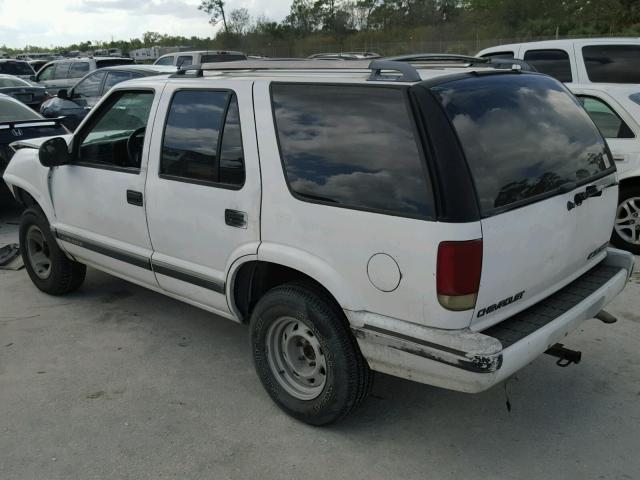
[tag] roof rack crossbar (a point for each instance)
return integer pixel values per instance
(438, 57)
(409, 73)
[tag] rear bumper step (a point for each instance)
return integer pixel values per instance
(471, 361)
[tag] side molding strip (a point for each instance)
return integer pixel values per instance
(189, 277)
(133, 259)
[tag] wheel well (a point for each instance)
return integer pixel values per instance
(630, 182)
(23, 197)
(256, 278)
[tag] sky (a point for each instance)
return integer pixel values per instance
(49, 23)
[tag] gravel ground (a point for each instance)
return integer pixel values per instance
(118, 382)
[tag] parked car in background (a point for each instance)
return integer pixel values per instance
(38, 64)
(199, 57)
(446, 225)
(19, 122)
(29, 93)
(75, 103)
(615, 109)
(65, 73)
(344, 56)
(591, 60)
(19, 68)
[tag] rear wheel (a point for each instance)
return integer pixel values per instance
(626, 232)
(305, 355)
(47, 265)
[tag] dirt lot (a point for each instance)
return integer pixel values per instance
(119, 382)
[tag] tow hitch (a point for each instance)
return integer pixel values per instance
(564, 355)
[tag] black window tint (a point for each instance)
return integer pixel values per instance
(89, 87)
(612, 63)
(114, 78)
(606, 119)
(507, 55)
(184, 60)
(79, 69)
(550, 62)
(231, 152)
(194, 135)
(351, 146)
(111, 62)
(523, 136)
(62, 71)
(212, 58)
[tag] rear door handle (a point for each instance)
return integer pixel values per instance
(235, 218)
(134, 198)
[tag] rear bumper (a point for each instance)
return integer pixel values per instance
(470, 361)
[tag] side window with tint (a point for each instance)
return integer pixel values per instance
(202, 139)
(47, 73)
(555, 63)
(165, 61)
(351, 146)
(184, 60)
(607, 120)
(79, 70)
(116, 136)
(62, 71)
(89, 87)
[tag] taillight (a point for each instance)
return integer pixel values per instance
(458, 274)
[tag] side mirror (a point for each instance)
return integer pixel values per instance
(32, 78)
(54, 152)
(63, 94)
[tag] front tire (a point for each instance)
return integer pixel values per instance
(305, 355)
(47, 265)
(626, 232)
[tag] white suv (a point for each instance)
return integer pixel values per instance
(446, 226)
(587, 60)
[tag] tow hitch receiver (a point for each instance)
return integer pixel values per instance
(565, 356)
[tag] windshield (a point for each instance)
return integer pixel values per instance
(10, 82)
(16, 68)
(524, 136)
(11, 111)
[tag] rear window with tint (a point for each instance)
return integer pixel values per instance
(113, 61)
(551, 62)
(16, 68)
(612, 63)
(351, 146)
(212, 58)
(524, 137)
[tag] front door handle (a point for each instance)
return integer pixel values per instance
(134, 198)
(235, 218)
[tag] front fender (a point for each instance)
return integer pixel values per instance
(25, 172)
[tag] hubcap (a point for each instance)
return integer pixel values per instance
(38, 252)
(296, 358)
(628, 220)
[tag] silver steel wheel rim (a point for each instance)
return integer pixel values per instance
(296, 358)
(628, 221)
(38, 252)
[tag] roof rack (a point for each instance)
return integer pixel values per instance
(466, 61)
(381, 70)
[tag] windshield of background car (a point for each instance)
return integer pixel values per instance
(16, 68)
(612, 63)
(212, 58)
(12, 111)
(524, 137)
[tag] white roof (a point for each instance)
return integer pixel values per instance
(567, 42)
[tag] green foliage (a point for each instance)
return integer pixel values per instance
(396, 26)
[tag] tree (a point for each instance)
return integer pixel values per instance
(215, 10)
(239, 21)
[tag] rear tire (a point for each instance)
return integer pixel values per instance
(626, 232)
(47, 265)
(305, 355)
